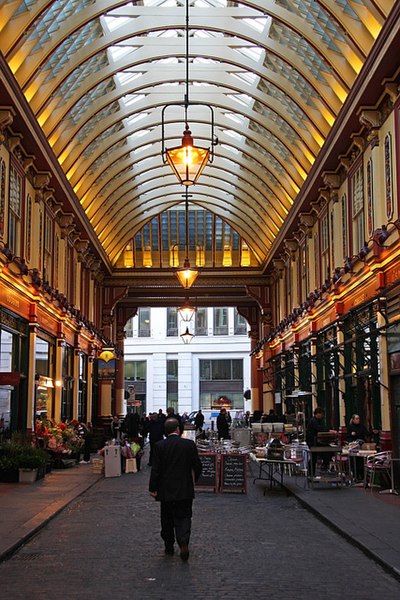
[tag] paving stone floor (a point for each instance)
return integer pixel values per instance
(105, 545)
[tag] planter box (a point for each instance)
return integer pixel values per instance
(27, 475)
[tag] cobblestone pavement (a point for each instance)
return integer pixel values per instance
(106, 545)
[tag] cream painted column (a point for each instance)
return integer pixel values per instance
(30, 416)
(75, 389)
(105, 398)
(89, 389)
(384, 375)
(314, 381)
(341, 384)
(58, 386)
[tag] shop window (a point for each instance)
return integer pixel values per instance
(44, 360)
(82, 391)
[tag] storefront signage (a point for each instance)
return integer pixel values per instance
(106, 370)
(10, 299)
(233, 473)
(10, 378)
(208, 477)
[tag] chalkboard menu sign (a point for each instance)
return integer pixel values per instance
(208, 477)
(233, 473)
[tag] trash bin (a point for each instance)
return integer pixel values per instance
(112, 461)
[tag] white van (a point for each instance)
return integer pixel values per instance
(209, 415)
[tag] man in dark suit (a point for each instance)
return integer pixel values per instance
(175, 465)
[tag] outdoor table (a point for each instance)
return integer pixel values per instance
(269, 466)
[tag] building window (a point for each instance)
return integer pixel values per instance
(172, 322)
(240, 326)
(14, 213)
(388, 176)
(129, 328)
(201, 326)
(220, 321)
(325, 246)
(48, 249)
(28, 228)
(144, 322)
(221, 379)
(370, 198)
(357, 191)
(2, 194)
(344, 226)
(135, 370)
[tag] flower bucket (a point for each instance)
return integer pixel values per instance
(27, 475)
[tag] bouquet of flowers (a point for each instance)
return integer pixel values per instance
(60, 438)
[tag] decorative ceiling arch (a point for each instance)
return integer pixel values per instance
(276, 72)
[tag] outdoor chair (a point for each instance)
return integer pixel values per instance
(377, 464)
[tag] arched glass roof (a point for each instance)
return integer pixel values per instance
(97, 74)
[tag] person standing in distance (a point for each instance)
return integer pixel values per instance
(175, 465)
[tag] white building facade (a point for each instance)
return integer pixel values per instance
(162, 371)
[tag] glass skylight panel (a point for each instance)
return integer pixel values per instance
(93, 123)
(246, 76)
(234, 134)
(84, 103)
(166, 33)
(296, 79)
(253, 52)
(164, 3)
(105, 156)
(241, 99)
(257, 23)
(135, 118)
(119, 51)
(139, 134)
(234, 117)
(23, 7)
(143, 148)
(319, 19)
(130, 99)
(113, 23)
(126, 77)
(232, 149)
(100, 138)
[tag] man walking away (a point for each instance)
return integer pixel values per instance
(175, 465)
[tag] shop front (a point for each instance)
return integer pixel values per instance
(13, 372)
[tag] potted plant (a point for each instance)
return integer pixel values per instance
(30, 460)
(8, 464)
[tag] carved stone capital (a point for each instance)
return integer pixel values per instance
(372, 119)
(359, 142)
(14, 141)
(291, 247)
(27, 163)
(331, 180)
(392, 90)
(7, 115)
(41, 180)
(307, 221)
(345, 162)
(279, 267)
